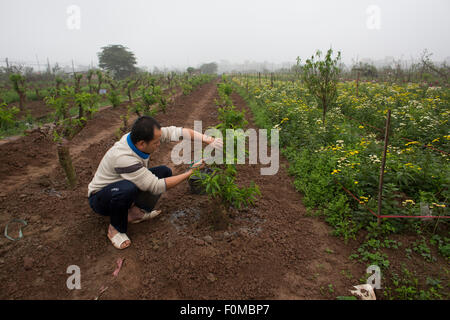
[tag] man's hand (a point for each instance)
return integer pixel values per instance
(216, 143)
(198, 165)
(175, 180)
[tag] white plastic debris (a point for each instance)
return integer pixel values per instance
(364, 291)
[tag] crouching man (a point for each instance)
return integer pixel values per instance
(125, 188)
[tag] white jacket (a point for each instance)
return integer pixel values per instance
(123, 161)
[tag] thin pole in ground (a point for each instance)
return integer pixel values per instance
(383, 163)
(357, 83)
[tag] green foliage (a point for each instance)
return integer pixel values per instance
(7, 116)
(89, 76)
(18, 82)
(150, 96)
(406, 287)
(88, 104)
(421, 247)
(190, 84)
(221, 185)
(231, 118)
(114, 98)
(322, 156)
(60, 102)
(187, 88)
(66, 125)
(443, 245)
(67, 128)
(225, 90)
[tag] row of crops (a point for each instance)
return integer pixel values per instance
(74, 104)
(83, 93)
(342, 156)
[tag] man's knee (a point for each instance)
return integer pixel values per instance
(161, 172)
(168, 172)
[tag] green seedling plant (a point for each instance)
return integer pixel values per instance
(443, 245)
(114, 93)
(77, 78)
(406, 287)
(129, 86)
(221, 185)
(99, 80)
(421, 247)
(187, 88)
(87, 105)
(7, 116)
(321, 77)
(19, 86)
(89, 76)
(66, 127)
(225, 90)
(59, 82)
(60, 102)
(150, 96)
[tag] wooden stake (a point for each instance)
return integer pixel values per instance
(357, 85)
(66, 162)
(383, 163)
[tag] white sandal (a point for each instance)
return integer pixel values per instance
(119, 239)
(147, 216)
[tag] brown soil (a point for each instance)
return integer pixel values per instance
(36, 108)
(272, 251)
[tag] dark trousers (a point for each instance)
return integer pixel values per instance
(116, 199)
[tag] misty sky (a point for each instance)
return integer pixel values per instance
(180, 33)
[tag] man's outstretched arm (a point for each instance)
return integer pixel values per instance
(175, 180)
(202, 137)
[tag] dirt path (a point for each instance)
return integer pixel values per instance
(272, 251)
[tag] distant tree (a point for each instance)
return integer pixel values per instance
(117, 60)
(366, 70)
(209, 68)
(428, 65)
(190, 70)
(297, 68)
(321, 77)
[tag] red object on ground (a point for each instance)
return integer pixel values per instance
(119, 265)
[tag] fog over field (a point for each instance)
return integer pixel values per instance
(177, 33)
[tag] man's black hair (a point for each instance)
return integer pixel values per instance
(143, 129)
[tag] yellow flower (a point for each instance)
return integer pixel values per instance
(439, 205)
(435, 140)
(361, 127)
(356, 182)
(408, 201)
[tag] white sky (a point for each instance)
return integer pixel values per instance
(179, 33)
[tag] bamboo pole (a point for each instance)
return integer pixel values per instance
(383, 163)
